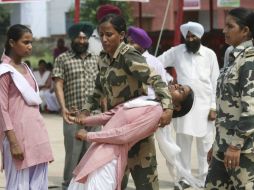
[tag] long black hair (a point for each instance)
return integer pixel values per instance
(186, 106)
(15, 32)
(250, 23)
(240, 14)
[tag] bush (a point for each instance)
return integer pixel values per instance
(43, 49)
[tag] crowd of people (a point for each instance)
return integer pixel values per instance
(114, 96)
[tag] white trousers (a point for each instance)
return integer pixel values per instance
(102, 178)
(203, 145)
(51, 101)
(32, 178)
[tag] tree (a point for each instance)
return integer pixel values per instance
(4, 18)
(88, 10)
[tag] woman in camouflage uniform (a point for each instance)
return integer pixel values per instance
(232, 162)
(123, 75)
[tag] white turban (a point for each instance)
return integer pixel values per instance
(194, 27)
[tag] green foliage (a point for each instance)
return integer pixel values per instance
(35, 59)
(42, 49)
(88, 10)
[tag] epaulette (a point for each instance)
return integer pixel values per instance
(103, 53)
(249, 53)
(124, 49)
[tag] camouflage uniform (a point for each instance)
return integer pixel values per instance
(122, 79)
(235, 121)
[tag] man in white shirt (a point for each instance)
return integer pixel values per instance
(196, 66)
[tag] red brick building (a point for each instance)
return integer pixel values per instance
(153, 14)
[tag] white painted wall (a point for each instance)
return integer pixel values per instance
(45, 18)
(57, 10)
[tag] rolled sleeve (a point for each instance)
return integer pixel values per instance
(58, 70)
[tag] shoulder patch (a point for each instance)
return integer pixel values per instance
(249, 53)
(124, 49)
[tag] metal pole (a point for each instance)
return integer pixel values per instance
(77, 11)
(162, 27)
(211, 14)
(179, 21)
(140, 14)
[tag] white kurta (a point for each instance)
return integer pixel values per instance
(200, 71)
(41, 79)
(154, 63)
(95, 46)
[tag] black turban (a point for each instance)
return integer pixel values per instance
(85, 27)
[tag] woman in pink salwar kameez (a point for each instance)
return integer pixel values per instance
(124, 125)
(24, 141)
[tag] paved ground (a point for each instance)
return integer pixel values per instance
(54, 125)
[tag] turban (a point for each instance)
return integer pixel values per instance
(194, 27)
(75, 29)
(140, 37)
(103, 10)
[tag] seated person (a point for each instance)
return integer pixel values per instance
(43, 78)
(124, 125)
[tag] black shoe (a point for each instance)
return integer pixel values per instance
(182, 185)
(177, 187)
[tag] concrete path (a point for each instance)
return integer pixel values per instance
(54, 126)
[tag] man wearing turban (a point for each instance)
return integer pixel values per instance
(74, 74)
(197, 67)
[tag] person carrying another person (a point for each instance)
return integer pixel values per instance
(103, 165)
(197, 67)
(143, 154)
(123, 74)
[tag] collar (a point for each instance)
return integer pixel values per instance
(238, 49)
(122, 48)
(145, 53)
(5, 58)
(73, 54)
(119, 49)
(95, 34)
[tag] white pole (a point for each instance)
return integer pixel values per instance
(162, 27)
